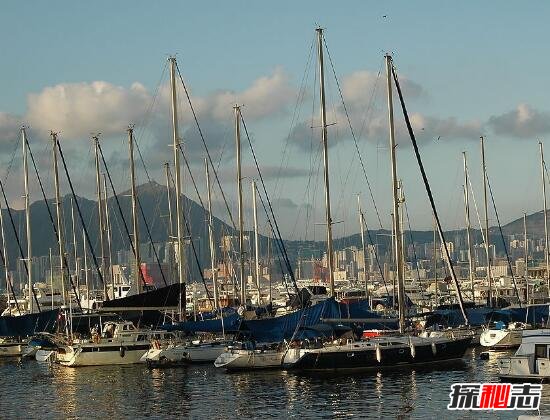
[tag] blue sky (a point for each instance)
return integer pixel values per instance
(473, 68)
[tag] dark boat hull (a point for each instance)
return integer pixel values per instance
(390, 357)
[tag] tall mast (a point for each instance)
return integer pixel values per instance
(324, 136)
(175, 142)
(213, 259)
(60, 227)
(170, 221)
(108, 234)
(362, 226)
(86, 278)
(240, 200)
(51, 275)
(256, 239)
(9, 284)
(468, 225)
(526, 257)
(27, 218)
(397, 230)
(435, 266)
(484, 168)
(100, 216)
(542, 166)
(75, 250)
(137, 267)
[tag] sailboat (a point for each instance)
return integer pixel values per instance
(387, 350)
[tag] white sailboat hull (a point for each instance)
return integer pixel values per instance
(12, 349)
(124, 354)
(250, 359)
(500, 339)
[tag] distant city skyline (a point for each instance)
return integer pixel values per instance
(468, 70)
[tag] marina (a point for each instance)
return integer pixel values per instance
(300, 223)
(181, 392)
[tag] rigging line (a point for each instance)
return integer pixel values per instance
(405, 207)
(22, 254)
(115, 195)
(195, 254)
(475, 205)
(149, 109)
(56, 233)
(280, 253)
(372, 99)
(428, 191)
(279, 236)
(201, 135)
(353, 134)
(295, 115)
(375, 253)
(9, 285)
(12, 159)
(96, 263)
(504, 242)
(157, 258)
(191, 175)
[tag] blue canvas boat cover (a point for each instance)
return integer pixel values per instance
(28, 325)
(230, 324)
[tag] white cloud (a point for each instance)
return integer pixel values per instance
(522, 122)
(78, 109)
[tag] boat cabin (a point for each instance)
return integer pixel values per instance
(532, 359)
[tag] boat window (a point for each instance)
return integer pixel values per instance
(541, 350)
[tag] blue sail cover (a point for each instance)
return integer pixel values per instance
(230, 324)
(283, 327)
(27, 325)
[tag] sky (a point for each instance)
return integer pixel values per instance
(467, 69)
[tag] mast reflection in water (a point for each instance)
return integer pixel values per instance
(31, 389)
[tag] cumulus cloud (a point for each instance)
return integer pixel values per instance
(364, 94)
(522, 122)
(78, 109)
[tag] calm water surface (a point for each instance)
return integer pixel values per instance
(34, 390)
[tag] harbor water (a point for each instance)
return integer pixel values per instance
(30, 389)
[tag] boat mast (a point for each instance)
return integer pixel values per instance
(75, 250)
(108, 234)
(170, 221)
(86, 278)
(9, 284)
(27, 218)
(526, 257)
(435, 266)
(175, 142)
(100, 215)
(237, 110)
(542, 166)
(468, 224)
(51, 275)
(324, 136)
(213, 259)
(60, 230)
(362, 227)
(484, 168)
(398, 243)
(256, 239)
(137, 267)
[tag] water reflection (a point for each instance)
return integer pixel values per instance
(203, 391)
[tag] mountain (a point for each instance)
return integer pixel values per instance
(153, 198)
